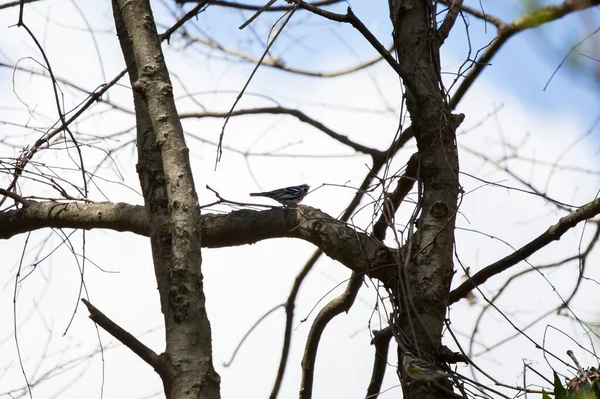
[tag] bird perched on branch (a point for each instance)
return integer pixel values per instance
(286, 196)
(422, 370)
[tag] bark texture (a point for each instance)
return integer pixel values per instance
(172, 208)
(426, 274)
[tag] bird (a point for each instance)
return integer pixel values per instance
(419, 369)
(286, 196)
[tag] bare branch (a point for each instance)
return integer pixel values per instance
(277, 63)
(393, 201)
(381, 341)
(342, 303)
(289, 319)
(293, 112)
(251, 7)
(497, 22)
(353, 20)
(147, 354)
(531, 19)
(16, 3)
(554, 232)
(449, 21)
(356, 250)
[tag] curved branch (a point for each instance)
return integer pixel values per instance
(251, 7)
(355, 250)
(289, 319)
(277, 63)
(553, 233)
(342, 303)
(293, 112)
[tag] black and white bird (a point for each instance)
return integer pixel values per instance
(286, 196)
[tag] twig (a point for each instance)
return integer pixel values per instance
(239, 97)
(15, 3)
(256, 14)
(252, 7)
(392, 202)
(277, 63)
(166, 35)
(93, 98)
(237, 348)
(15, 197)
(353, 20)
(222, 200)
(497, 22)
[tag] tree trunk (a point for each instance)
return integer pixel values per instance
(427, 266)
(172, 209)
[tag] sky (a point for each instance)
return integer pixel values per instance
(508, 113)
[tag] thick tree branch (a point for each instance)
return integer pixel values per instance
(356, 250)
(554, 232)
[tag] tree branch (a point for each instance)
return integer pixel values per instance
(356, 250)
(251, 7)
(353, 20)
(289, 319)
(553, 233)
(338, 305)
(393, 201)
(277, 63)
(448, 24)
(147, 354)
(293, 112)
(381, 340)
(531, 19)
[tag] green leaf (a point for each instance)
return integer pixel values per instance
(585, 393)
(596, 388)
(559, 391)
